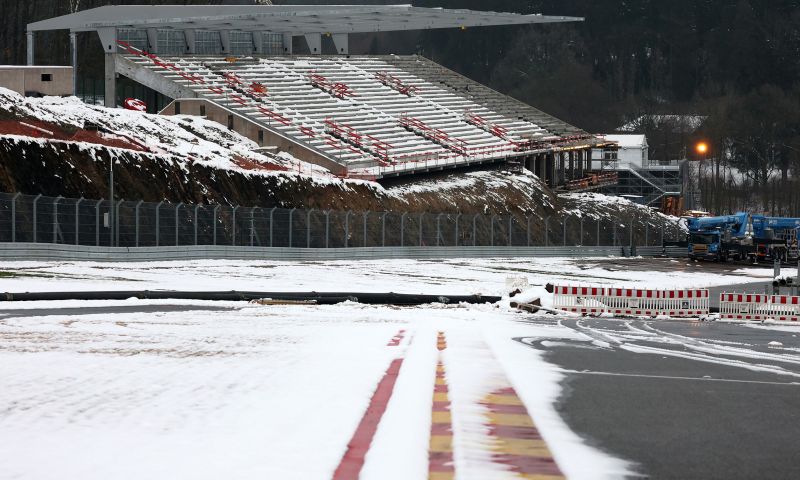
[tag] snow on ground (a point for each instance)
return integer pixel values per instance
(457, 276)
(191, 389)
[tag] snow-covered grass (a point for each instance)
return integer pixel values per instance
(457, 276)
(256, 392)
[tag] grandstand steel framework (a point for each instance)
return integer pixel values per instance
(229, 63)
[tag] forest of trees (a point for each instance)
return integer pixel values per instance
(735, 61)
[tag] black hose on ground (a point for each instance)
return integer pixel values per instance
(316, 297)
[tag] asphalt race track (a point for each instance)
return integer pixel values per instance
(684, 399)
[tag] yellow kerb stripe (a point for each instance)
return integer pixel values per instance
(441, 417)
(502, 400)
(523, 447)
(510, 420)
(441, 443)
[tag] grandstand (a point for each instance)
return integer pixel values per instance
(359, 116)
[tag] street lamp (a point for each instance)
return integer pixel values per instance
(702, 151)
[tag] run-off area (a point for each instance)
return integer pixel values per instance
(198, 390)
(191, 389)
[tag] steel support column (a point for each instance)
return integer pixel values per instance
(31, 43)
(73, 49)
(110, 80)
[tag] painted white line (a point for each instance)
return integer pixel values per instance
(668, 377)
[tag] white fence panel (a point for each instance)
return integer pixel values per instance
(591, 300)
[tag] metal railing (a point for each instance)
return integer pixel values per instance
(68, 221)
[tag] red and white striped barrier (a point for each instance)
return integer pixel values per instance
(757, 308)
(631, 301)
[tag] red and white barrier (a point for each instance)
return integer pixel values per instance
(631, 301)
(757, 308)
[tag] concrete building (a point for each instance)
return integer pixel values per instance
(631, 150)
(640, 177)
(37, 81)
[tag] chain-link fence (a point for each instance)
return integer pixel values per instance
(39, 219)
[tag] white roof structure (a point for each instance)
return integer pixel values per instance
(628, 141)
(294, 19)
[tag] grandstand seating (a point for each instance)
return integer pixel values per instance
(373, 114)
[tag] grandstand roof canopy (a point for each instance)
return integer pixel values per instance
(294, 19)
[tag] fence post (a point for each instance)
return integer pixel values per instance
(598, 231)
(97, 222)
(421, 219)
(216, 217)
(136, 219)
(177, 209)
(14, 218)
(528, 230)
(475, 230)
(347, 229)
(327, 228)
(55, 218)
(403, 229)
(614, 234)
(291, 225)
(158, 223)
(633, 225)
(252, 226)
(547, 231)
(233, 226)
(116, 222)
(438, 228)
(35, 223)
(366, 218)
(455, 241)
(308, 228)
(271, 223)
(491, 229)
(77, 221)
(196, 220)
(383, 229)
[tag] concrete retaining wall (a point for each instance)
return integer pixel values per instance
(42, 251)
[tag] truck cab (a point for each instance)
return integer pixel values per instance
(719, 238)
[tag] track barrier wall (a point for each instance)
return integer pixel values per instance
(59, 252)
(759, 307)
(593, 300)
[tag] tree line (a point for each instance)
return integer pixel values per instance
(736, 62)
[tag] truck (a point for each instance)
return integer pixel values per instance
(720, 238)
(776, 238)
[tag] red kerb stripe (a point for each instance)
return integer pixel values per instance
(353, 460)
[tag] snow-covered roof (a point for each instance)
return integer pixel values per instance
(628, 141)
(295, 19)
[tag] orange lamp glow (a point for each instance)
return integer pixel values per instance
(702, 148)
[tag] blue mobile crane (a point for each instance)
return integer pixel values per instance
(776, 238)
(720, 238)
